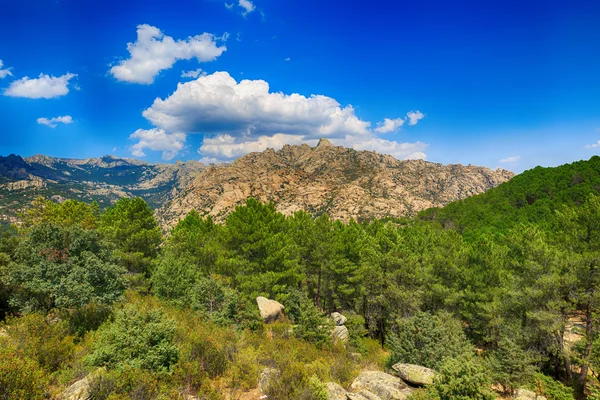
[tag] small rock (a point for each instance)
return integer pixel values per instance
(338, 318)
(335, 391)
(524, 394)
(414, 374)
(386, 386)
(270, 310)
(340, 333)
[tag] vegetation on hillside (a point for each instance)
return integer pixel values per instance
(486, 291)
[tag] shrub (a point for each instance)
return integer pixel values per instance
(428, 340)
(137, 338)
(552, 389)
(511, 366)
(20, 377)
(47, 342)
(461, 378)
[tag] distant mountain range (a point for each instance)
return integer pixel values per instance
(341, 182)
(104, 179)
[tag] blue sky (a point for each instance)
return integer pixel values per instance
(497, 83)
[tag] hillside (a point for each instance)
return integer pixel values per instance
(341, 182)
(530, 197)
(104, 180)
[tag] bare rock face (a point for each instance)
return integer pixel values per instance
(363, 395)
(270, 310)
(342, 182)
(385, 386)
(338, 318)
(414, 374)
(335, 391)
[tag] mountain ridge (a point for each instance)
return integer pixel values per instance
(342, 182)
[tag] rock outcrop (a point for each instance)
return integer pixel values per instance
(338, 318)
(385, 386)
(270, 310)
(414, 374)
(335, 391)
(340, 333)
(266, 377)
(80, 389)
(341, 182)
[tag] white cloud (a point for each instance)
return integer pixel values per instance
(414, 117)
(153, 52)
(4, 72)
(389, 125)
(288, 59)
(114, 149)
(241, 117)
(52, 122)
(246, 5)
(512, 159)
(191, 74)
(44, 86)
(593, 145)
(210, 160)
(157, 140)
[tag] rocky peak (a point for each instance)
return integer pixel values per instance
(342, 182)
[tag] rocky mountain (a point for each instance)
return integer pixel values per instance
(341, 182)
(104, 179)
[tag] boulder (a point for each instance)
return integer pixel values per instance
(270, 310)
(340, 333)
(363, 395)
(338, 318)
(385, 386)
(80, 389)
(524, 394)
(414, 374)
(266, 376)
(335, 391)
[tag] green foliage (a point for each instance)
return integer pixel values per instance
(62, 267)
(462, 378)
(131, 229)
(65, 214)
(21, 377)
(511, 366)
(136, 338)
(552, 389)
(318, 390)
(428, 340)
(312, 325)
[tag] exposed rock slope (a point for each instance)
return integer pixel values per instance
(341, 182)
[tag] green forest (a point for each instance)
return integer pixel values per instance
(496, 292)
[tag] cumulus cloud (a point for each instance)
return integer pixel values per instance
(4, 72)
(241, 117)
(44, 86)
(414, 117)
(191, 74)
(153, 52)
(53, 122)
(593, 145)
(158, 140)
(389, 125)
(509, 160)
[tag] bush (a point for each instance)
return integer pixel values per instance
(137, 338)
(461, 378)
(20, 377)
(551, 389)
(511, 366)
(428, 340)
(38, 338)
